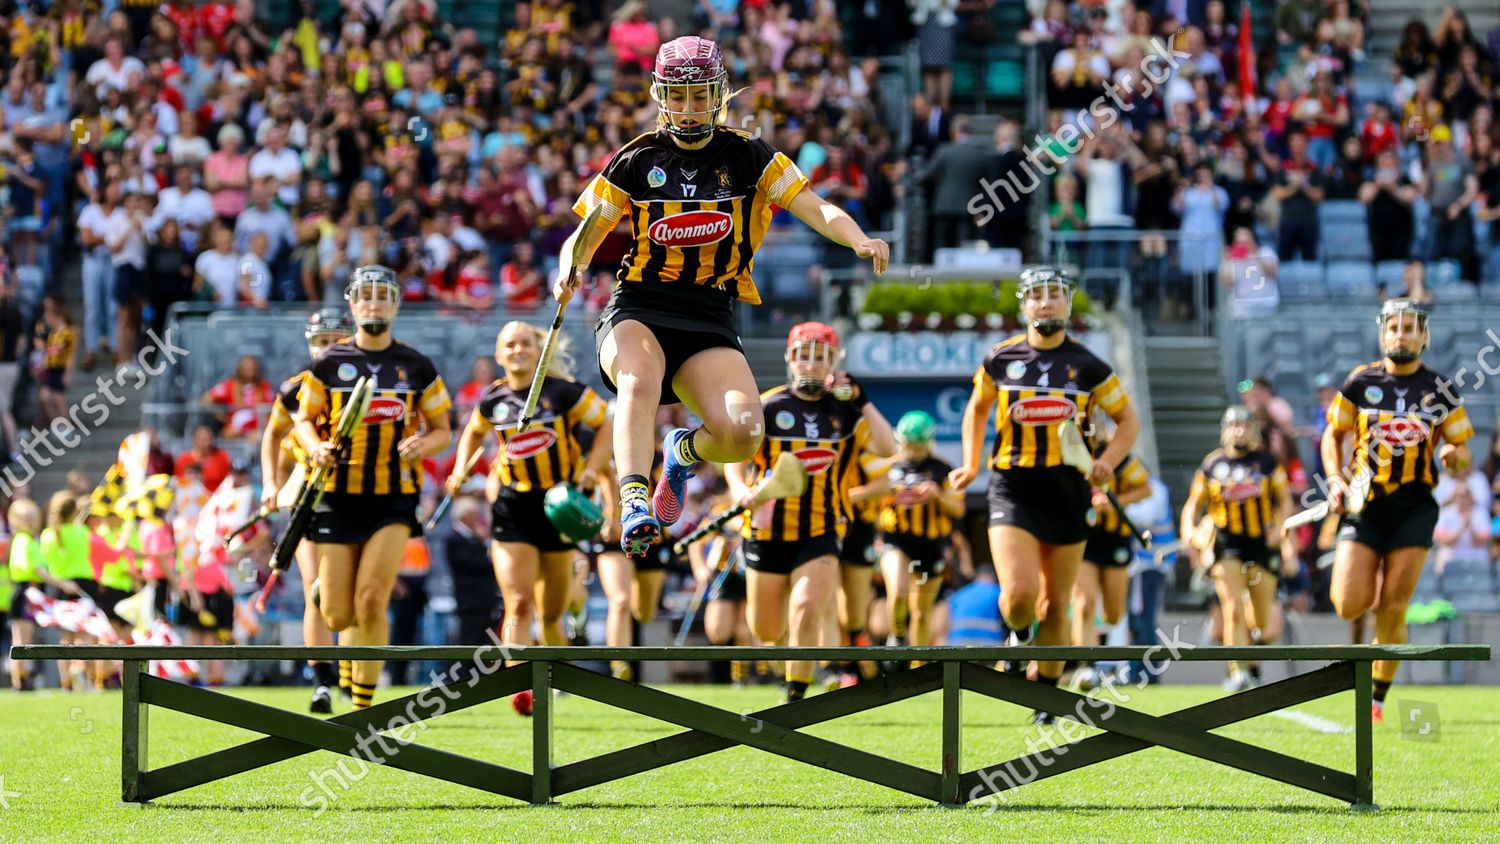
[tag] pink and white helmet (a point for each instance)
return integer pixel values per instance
(691, 71)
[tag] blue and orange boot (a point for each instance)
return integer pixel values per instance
(639, 530)
(666, 502)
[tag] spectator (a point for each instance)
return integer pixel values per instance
(1299, 189)
(255, 272)
(1415, 54)
(931, 127)
(1066, 213)
(521, 281)
(116, 71)
(226, 175)
(57, 366)
(212, 461)
(1466, 87)
(25, 208)
(473, 288)
(1451, 188)
(12, 350)
(237, 401)
(216, 272)
(1247, 273)
(191, 207)
(481, 376)
(1463, 531)
(1077, 74)
(633, 37)
(1414, 279)
(1379, 132)
(937, 24)
(1389, 197)
(265, 218)
(1477, 485)
(1348, 174)
(408, 601)
(169, 275)
(98, 272)
(126, 236)
(955, 169)
(975, 612)
(1202, 205)
(841, 181)
(475, 592)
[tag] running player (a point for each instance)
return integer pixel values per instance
(279, 455)
(1247, 496)
(526, 549)
(1402, 415)
(369, 506)
(915, 522)
(699, 197)
(791, 545)
(1104, 578)
(1039, 506)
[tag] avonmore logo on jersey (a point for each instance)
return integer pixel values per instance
(529, 444)
(691, 228)
(816, 460)
(383, 410)
(1400, 432)
(1042, 410)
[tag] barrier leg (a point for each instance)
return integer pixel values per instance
(135, 727)
(541, 733)
(952, 734)
(1364, 762)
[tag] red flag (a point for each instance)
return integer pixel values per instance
(1246, 57)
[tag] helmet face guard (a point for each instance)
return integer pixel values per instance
(371, 285)
(690, 70)
(1239, 417)
(1038, 285)
(325, 328)
(812, 353)
(1401, 310)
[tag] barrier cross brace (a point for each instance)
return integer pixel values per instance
(775, 730)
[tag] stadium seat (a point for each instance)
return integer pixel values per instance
(1342, 211)
(1350, 279)
(1392, 274)
(1443, 272)
(1301, 280)
(1345, 241)
(1461, 292)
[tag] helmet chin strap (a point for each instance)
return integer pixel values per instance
(1047, 327)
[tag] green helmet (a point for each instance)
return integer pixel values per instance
(916, 428)
(575, 516)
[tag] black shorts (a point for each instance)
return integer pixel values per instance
(90, 588)
(854, 550)
(520, 517)
(732, 587)
(681, 335)
(1052, 504)
(221, 605)
(1109, 550)
(776, 556)
(127, 287)
(926, 556)
(52, 379)
(1251, 550)
(109, 599)
(1403, 519)
(346, 518)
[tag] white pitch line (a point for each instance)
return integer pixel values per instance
(1313, 722)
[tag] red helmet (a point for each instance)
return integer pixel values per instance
(690, 62)
(812, 332)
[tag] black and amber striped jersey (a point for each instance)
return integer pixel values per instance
(282, 411)
(696, 216)
(408, 390)
(904, 513)
(1040, 389)
(868, 468)
(549, 452)
(1397, 420)
(1129, 475)
(827, 435)
(1241, 492)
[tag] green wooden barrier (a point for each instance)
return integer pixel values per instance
(776, 730)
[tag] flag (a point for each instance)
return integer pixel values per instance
(1246, 57)
(134, 459)
(75, 616)
(162, 634)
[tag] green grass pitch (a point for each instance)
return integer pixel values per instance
(60, 763)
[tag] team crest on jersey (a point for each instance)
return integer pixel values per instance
(1015, 370)
(1374, 394)
(501, 411)
(1042, 410)
(529, 444)
(657, 177)
(347, 372)
(722, 175)
(400, 373)
(1221, 471)
(691, 228)
(385, 409)
(785, 419)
